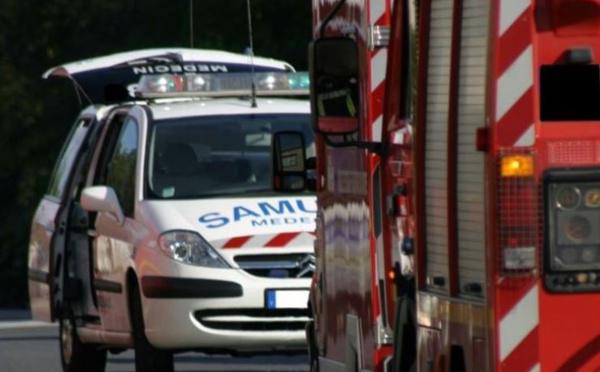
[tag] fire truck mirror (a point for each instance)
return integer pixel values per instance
(335, 88)
(289, 164)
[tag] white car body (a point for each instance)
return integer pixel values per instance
(185, 306)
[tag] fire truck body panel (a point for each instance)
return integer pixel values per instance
(526, 72)
(350, 325)
(345, 270)
(452, 313)
(445, 321)
(505, 189)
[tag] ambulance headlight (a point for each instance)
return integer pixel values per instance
(190, 248)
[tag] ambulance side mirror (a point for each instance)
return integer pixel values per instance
(289, 164)
(102, 199)
(335, 98)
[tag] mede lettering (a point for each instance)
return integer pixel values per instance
(306, 220)
(263, 222)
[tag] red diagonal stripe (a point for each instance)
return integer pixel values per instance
(281, 240)
(516, 120)
(577, 361)
(237, 242)
(525, 356)
(509, 292)
(384, 20)
(514, 41)
(377, 95)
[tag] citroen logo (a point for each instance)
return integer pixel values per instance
(306, 266)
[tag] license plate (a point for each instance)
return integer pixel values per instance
(286, 299)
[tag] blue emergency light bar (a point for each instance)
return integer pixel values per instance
(223, 85)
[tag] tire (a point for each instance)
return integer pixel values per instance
(313, 353)
(76, 356)
(147, 357)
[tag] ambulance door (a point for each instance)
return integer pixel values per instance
(50, 284)
(114, 238)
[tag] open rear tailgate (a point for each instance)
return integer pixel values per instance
(113, 77)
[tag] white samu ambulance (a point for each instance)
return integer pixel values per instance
(160, 230)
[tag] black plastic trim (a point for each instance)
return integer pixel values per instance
(167, 287)
(107, 286)
(38, 276)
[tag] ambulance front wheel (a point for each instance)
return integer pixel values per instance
(147, 357)
(76, 356)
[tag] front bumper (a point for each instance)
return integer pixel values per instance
(225, 310)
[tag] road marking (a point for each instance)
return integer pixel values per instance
(4, 325)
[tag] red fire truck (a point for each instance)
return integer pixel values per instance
(352, 298)
(478, 149)
(506, 164)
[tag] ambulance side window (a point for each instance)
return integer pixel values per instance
(66, 159)
(119, 169)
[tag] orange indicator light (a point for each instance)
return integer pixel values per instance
(516, 166)
(592, 198)
(391, 275)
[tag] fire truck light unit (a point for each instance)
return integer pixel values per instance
(391, 274)
(568, 198)
(223, 84)
(572, 249)
(520, 165)
(592, 198)
(520, 258)
(578, 228)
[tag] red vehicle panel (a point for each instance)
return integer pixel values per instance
(481, 155)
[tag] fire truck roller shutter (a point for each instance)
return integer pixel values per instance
(436, 144)
(470, 162)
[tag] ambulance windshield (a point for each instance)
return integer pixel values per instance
(210, 156)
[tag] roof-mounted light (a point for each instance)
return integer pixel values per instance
(223, 85)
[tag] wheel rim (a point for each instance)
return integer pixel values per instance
(66, 340)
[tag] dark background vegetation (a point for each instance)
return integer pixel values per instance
(35, 115)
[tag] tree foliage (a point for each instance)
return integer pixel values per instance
(35, 115)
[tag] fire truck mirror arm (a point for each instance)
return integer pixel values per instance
(379, 148)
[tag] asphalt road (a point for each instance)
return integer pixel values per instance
(27, 346)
